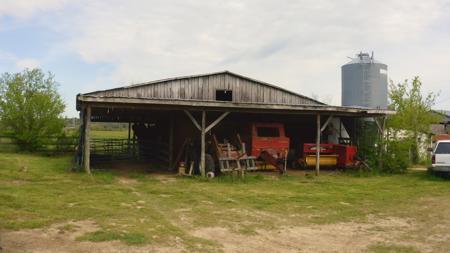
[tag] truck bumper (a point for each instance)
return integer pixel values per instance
(440, 168)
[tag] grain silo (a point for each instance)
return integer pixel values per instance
(364, 82)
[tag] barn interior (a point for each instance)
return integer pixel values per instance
(167, 138)
(220, 121)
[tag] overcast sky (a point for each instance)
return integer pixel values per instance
(298, 45)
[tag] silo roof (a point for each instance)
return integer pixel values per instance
(363, 58)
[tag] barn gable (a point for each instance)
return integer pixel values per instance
(216, 87)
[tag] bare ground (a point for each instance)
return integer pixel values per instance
(339, 237)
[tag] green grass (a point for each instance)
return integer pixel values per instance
(36, 191)
(110, 134)
(102, 235)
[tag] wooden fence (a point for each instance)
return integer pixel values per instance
(101, 148)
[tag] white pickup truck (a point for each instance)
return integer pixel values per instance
(440, 160)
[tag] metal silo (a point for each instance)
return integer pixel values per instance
(364, 82)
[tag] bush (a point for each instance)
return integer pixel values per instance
(396, 158)
(30, 107)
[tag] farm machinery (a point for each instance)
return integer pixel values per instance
(263, 145)
(266, 146)
(333, 155)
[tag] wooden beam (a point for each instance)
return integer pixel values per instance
(86, 146)
(171, 127)
(203, 148)
(221, 117)
(176, 104)
(134, 141)
(80, 151)
(193, 120)
(381, 129)
(378, 124)
(326, 123)
(129, 137)
(318, 146)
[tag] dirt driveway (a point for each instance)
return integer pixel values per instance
(377, 235)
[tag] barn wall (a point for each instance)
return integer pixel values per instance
(204, 88)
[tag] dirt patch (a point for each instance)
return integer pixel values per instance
(165, 178)
(60, 238)
(14, 182)
(340, 237)
(127, 181)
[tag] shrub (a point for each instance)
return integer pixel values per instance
(396, 158)
(30, 107)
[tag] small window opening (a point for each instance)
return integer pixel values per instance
(268, 132)
(224, 95)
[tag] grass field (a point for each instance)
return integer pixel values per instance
(114, 134)
(396, 213)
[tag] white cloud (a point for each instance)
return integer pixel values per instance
(27, 63)
(299, 45)
(26, 8)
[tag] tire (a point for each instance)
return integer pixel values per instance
(209, 164)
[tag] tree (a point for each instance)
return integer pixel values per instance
(30, 107)
(413, 112)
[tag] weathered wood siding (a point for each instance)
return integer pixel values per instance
(204, 88)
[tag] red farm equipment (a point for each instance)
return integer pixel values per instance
(333, 155)
(269, 143)
(263, 145)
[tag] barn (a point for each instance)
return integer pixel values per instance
(164, 116)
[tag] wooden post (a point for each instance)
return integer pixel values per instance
(129, 138)
(171, 127)
(80, 151)
(202, 152)
(86, 146)
(203, 130)
(318, 146)
(381, 142)
(134, 141)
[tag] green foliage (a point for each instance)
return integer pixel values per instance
(396, 158)
(414, 115)
(367, 133)
(30, 107)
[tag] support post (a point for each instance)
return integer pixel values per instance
(193, 120)
(381, 128)
(318, 146)
(134, 141)
(203, 130)
(202, 154)
(220, 118)
(86, 146)
(171, 127)
(129, 138)
(326, 123)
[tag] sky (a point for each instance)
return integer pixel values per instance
(298, 45)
